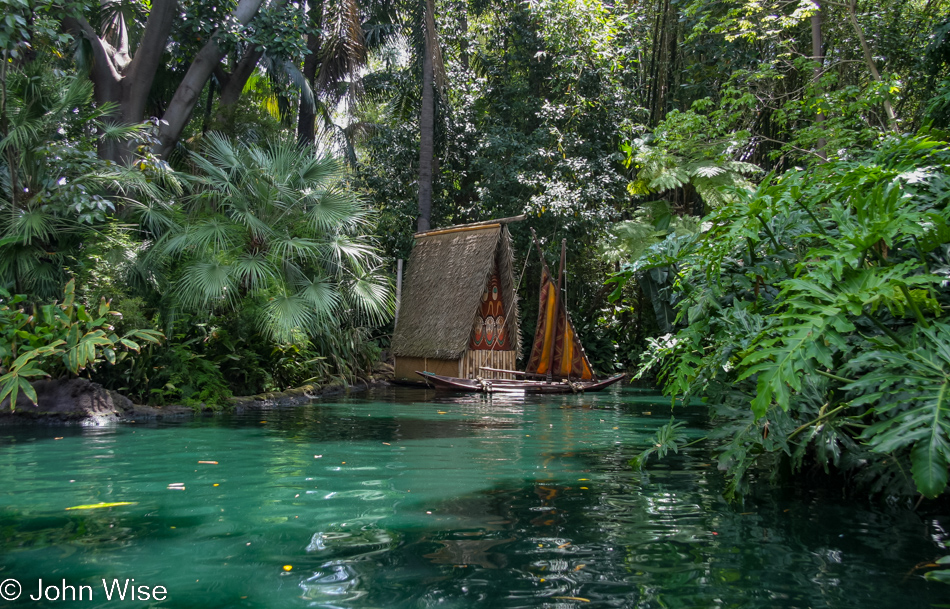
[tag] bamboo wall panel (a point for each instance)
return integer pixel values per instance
(474, 360)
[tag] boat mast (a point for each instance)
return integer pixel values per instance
(557, 307)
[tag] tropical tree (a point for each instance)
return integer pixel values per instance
(274, 228)
(121, 70)
(433, 73)
(56, 196)
(156, 60)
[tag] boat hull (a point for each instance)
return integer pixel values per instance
(515, 386)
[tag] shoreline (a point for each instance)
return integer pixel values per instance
(80, 402)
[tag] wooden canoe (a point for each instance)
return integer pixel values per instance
(515, 385)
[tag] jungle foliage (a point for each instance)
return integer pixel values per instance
(813, 318)
(752, 194)
(63, 338)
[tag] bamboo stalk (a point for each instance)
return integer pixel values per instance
(470, 226)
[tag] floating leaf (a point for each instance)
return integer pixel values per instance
(96, 506)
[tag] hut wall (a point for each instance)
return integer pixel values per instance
(406, 367)
(474, 359)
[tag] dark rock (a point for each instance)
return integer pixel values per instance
(80, 402)
(70, 401)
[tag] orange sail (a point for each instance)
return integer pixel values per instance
(569, 359)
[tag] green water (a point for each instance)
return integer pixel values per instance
(404, 498)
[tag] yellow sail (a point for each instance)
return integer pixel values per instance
(569, 359)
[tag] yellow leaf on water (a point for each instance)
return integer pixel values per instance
(572, 598)
(288, 567)
(209, 462)
(95, 506)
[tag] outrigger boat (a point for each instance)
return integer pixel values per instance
(558, 363)
(515, 385)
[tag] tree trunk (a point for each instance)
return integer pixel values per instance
(463, 40)
(209, 104)
(818, 55)
(427, 123)
(232, 85)
(179, 110)
(306, 114)
(122, 81)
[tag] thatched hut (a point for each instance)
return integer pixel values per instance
(459, 307)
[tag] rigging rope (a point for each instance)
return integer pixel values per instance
(513, 299)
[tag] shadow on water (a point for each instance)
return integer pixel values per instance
(665, 539)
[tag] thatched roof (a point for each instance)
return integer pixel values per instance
(447, 273)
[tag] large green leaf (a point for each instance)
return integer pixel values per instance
(910, 391)
(929, 466)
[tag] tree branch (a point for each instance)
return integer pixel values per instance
(233, 85)
(103, 66)
(869, 59)
(186, 96)
(148, 57)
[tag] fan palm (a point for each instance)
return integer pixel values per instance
(274, 225)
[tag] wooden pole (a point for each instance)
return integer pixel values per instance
(398, 291)
(534, 236)
(557, 307)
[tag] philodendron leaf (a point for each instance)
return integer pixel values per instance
(929, 467)
(910, 392)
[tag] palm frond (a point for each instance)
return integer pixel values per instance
(287, 318)
(322, 294)
(329, 209)
(214, 233)
(351, 253)
(372, 298)
(32, 224)
(295, 248)
(254, 271)
(206, 284)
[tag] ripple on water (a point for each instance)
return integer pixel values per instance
(468, 502)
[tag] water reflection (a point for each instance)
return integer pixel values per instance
(462, 501)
